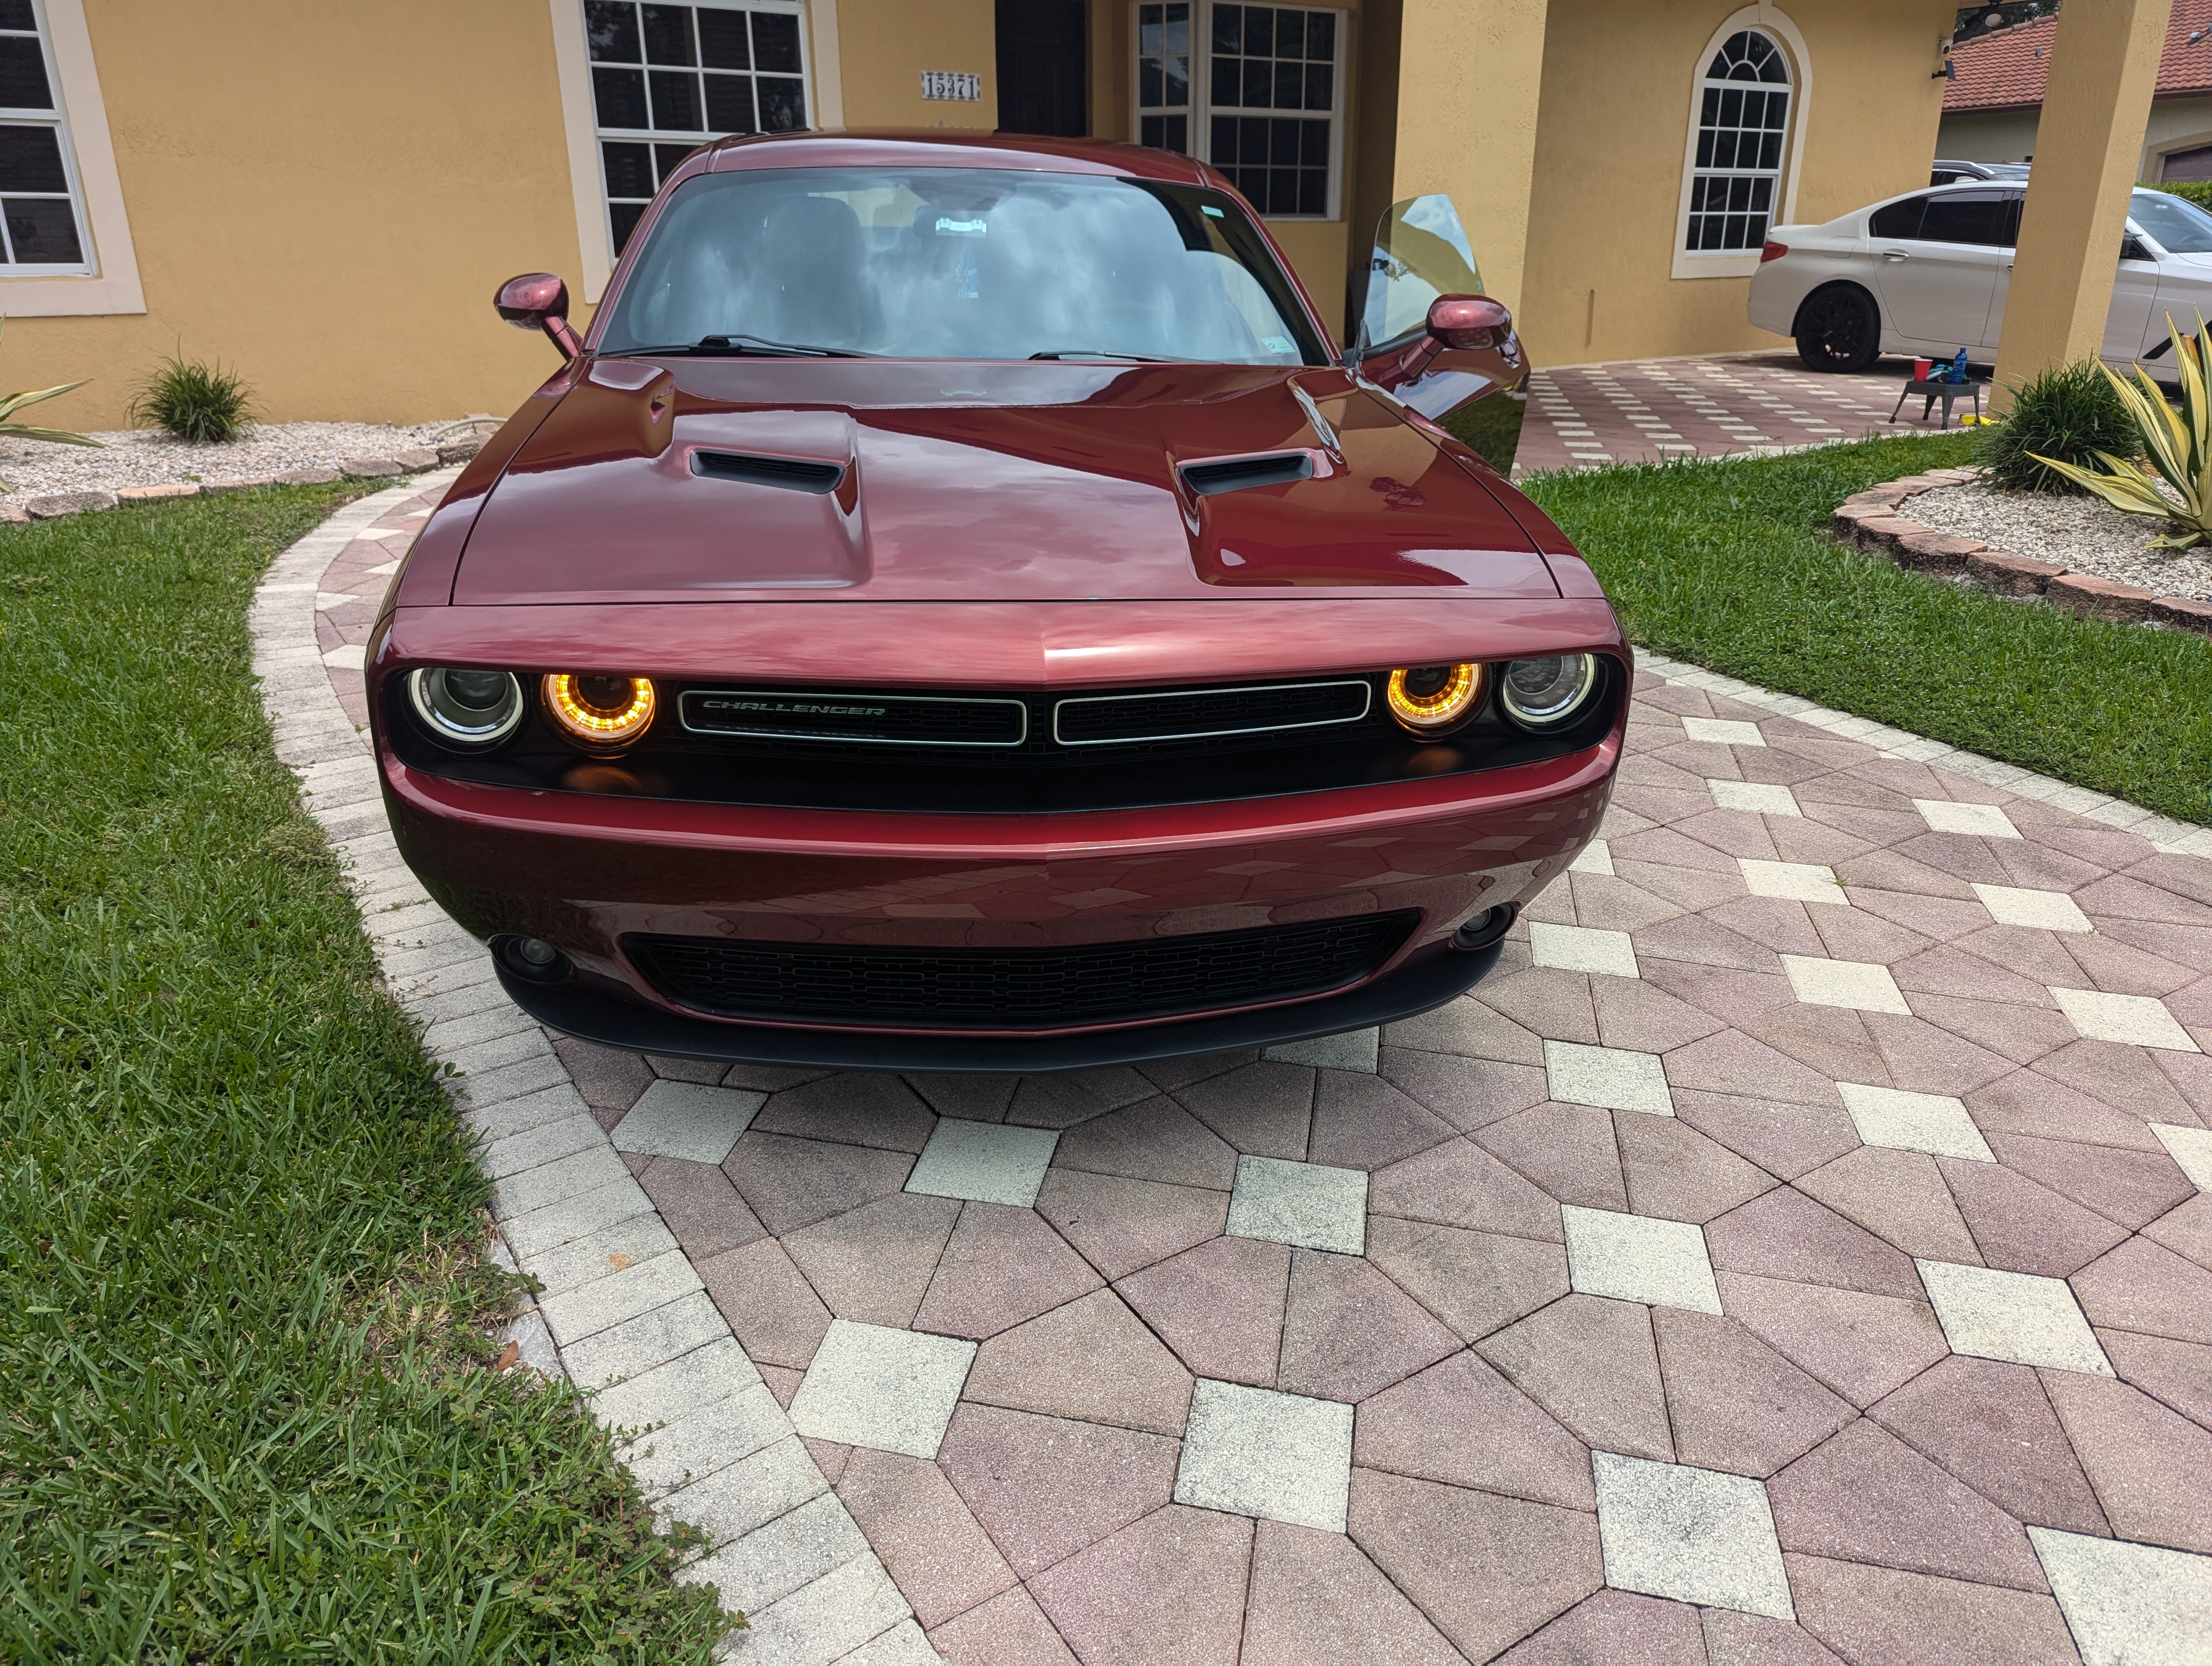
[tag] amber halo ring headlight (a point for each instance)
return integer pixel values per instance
(599, 712)
(1434, 700)
(467, 709)
(1545, 693)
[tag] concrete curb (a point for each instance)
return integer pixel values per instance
(620, 1312)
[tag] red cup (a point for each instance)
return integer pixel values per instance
(1921, 367)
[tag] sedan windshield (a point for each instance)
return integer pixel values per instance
(2178, 227)
(959, 264)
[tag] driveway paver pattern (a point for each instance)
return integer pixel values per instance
(1797, 1251)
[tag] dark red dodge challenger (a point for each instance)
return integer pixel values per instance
(957, 609)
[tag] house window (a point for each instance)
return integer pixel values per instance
(1253, 90)
(667, 79)
(41, 215)
(1743, 129)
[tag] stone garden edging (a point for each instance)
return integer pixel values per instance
(1871, 521)
(414, 460)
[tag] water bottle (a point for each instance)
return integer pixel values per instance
(1959, 366)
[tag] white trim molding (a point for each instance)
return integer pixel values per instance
(828, 75)
(572, 63)
(112, 287)
(1771, 19)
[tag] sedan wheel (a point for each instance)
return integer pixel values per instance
(1838, 328)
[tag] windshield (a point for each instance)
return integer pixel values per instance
(2178, 227)
(959, 263)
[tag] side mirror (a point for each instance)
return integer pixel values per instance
(1469, 322)
(539, 300)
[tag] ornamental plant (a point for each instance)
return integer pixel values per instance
(201, 403)
(2069, 412)
(13, 402)
(2177, 445)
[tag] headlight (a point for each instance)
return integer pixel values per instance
(466, 708)
(1543, 694)
(599, 711)
(1434, 700)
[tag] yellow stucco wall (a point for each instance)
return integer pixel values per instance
(323, 197)
(1619, 80)
(884, 46)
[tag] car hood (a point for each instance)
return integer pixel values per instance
(710, 480)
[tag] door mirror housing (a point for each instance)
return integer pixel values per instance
(1469, 323)
(539, 300)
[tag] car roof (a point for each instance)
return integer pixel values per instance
(939, 148)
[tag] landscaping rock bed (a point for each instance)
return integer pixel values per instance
(45, 481)
(1915, 522)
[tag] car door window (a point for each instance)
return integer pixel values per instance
(1980, 218)
(1897, 220)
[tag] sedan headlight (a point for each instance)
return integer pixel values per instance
(600, 712)
(1434, 700)
(468, 709)
(1544, 694)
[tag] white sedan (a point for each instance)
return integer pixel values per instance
(1926, 275)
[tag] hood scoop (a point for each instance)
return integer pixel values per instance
(787, 473)
(1238, 474)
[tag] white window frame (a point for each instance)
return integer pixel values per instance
(106, 283)
(1202, 108)
(1741, 262)
(580, 115)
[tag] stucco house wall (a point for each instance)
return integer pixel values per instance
(2009, 136)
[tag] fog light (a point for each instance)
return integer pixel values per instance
(600, 711)
(533, 959)
(1434, 700)
(466, 709)
(1543, 694)
(1486, 928)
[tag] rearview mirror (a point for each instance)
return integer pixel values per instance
(539, 300)
(1469, 322)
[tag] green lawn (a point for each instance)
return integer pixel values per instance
(1723, 563)
(244, 1414)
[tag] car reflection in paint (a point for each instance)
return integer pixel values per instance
(955, 609)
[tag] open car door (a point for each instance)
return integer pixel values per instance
(1431, 339)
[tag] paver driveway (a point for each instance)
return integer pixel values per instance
(1796, 1252)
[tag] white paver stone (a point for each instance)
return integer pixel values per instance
(1795, 882)
(2130, 1020)
(550, 1182)
(1632, 1258)
(601, 1254)
(540, 1144)
(1355, 1050)
(1596, 858)
(687, 1120)
(745, 1495)
(1860, 985)
(571, 1218)
(778, 1557)
(605, 1302)
(825, 1622)
(1762, 797)
(1943, 816)
(1694, 1535)
(707, 1438)
(888, 1390)
(1931, 1122)
(2052, 911)
(1582, 949)
(2189, 1147)
(1727, 731)
(903, 1645)
(2018, 1317)
(667, 1332)
(983, 1162)
(719, 1371)
(1310, 1206)
(2129, 1604)
(1610, 1077)
(1256, 1452)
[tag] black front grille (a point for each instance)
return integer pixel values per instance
(877, 718)
(1097, 720)
(1017, 988)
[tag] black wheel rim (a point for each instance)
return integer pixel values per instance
(1837, 328)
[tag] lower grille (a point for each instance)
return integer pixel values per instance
(1017, 988)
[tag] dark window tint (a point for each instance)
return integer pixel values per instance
(628, 168)
(1897, 220)
(667, 158)
(31, 160)
(619, 95)
(675, 101)
(668, 35)
(1044, 66)
(622, 219)
(775, 43)
(610, 26)
(730, 104)
(1977, 217)
(42, 231)
(722, 40)
(783, 104)
(23, 74)
(18, 14)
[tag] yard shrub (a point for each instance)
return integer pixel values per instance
(2069, 412)
(202, 403)
(2198, 192)
(246, 1414)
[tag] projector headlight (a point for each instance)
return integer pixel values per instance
(1434, 700)
(470, 710)
(602, 713)
(1545, 694)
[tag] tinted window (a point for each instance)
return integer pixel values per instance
(2178, 227)
(1898, 219)
(962, 263)
(1966, 217)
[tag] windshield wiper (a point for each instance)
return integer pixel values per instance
(1110, 353)
(738, 345)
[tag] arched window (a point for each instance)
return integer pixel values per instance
(1743, 132)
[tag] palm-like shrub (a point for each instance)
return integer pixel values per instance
(12, 403)
(202, 403)
(2176, 445)
(2069, 412)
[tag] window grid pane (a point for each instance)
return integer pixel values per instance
(1743, 124)
(42, 222)
(1268, 61)
(668, 79)
(1163, 57)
